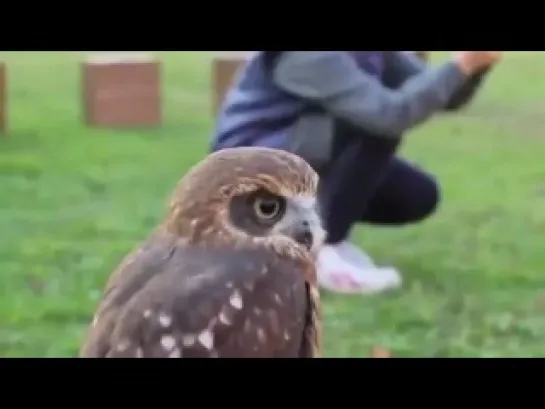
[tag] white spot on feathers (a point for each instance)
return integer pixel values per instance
(236, 300)
(168, 342)
(224, 318)
(261, 335)
(165, 320)
(176, 353)
(147, 314)
(206, 338)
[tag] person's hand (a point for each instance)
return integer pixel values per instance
(471, 62)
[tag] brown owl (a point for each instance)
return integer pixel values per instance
(228, 273)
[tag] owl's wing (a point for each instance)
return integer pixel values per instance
(180, 302)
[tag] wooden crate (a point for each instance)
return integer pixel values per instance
(121, 91)
(225, 65)
(3, 98)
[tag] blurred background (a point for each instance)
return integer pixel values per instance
(75, 199)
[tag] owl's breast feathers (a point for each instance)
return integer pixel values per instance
(168, 300)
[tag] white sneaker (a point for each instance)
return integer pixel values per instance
(337, 274)
(354, 254)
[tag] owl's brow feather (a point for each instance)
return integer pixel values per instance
(198, 206)
(230, 167)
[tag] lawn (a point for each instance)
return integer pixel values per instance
(74, 200)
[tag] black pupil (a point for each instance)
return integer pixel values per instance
(268, 207)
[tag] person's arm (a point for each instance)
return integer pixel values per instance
(332, 80)
(401, 66)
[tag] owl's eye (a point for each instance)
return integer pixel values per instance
(267, 208)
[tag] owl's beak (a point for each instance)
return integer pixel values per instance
(303, 235)
(306, 228)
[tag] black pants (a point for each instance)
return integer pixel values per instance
(365, 182)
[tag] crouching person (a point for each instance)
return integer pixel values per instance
(345, 112)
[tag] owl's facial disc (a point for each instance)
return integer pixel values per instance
(263, 214)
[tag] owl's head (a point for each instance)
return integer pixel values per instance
(249, 195)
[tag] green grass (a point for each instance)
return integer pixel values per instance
(74, 200)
